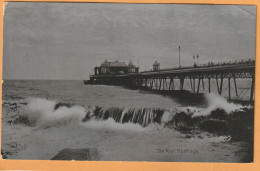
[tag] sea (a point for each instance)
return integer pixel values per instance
(42, 117)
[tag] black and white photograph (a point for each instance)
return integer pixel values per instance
(128, 82)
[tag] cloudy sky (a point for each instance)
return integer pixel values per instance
(66, 40)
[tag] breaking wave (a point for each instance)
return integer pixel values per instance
(46, 113)
(220, 117)
(111, 124)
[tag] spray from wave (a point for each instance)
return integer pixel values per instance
(215, 102)
(111, 124)
(45, 113)
(220, 117)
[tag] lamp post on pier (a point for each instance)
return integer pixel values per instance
(197, 59)
(179, 56)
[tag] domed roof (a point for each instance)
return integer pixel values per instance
(156, 63)
(113, 64)
(131, 63)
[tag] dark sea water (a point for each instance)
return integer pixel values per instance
(77, 93)
(40, 118)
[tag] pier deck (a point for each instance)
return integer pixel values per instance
(165, 79)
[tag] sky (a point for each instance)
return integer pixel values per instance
(64, 41)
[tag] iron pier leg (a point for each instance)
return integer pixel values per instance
(252, 88)
(163, 84)
(198, 89)
(173, 86)
(191, 84)
(151, 84)
(229, 92)
(209, 84)
(166, 84)
(194, 84)
(217, 84)
(221, 85)
(235, 83)
(170, 84)
(160, 83)
(181, 83)
(203, 83)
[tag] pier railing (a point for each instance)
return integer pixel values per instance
(212, 75)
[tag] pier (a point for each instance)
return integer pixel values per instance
(198, 78)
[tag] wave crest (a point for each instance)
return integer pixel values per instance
(43, 113)
(216, 118)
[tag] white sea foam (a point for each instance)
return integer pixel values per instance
(110, 124)
(41, 112)
(214, 101)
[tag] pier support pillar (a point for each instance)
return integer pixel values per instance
(191, 84)
(146, 80)
(221, 85)
(164, 84)
(181, 83)
(235, 83)
(229, 92)
(198, 88)
(203, 86)
(209, 84)
(217, 83)
(194, 84)
(173, 86)
(252, 89)
(170, 84)
(160, 80)
(151, 83)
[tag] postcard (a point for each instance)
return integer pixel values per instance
(128, 82)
